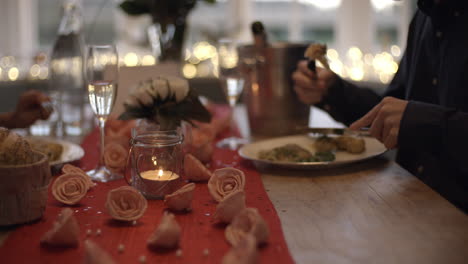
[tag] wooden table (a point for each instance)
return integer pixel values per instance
(373, 212)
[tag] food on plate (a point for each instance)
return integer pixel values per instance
(248, 221)
(287, 153)
(317, 52)
(225, 181)
(342, 141)
(295, 153)
(94, 254)
(355, 145)
(195, 170)
(245, 252)
(230, 206)
(14, 149)
(125, 204)
(325, 156)
(167, 234)
(70, 188)
(52, 149)
(65, 231)
(181, 199)
(325, 144)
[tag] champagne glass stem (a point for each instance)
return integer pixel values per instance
(232, 122)
(102, 123)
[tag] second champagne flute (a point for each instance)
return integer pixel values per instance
(232, 83)
(102, 68)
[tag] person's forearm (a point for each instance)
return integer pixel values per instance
(346, 102)
(6, 120)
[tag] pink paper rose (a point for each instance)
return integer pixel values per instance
(225, 181)
(115, 157)
(68, 168)
(65, 231)
(125, 204)
(70, 188)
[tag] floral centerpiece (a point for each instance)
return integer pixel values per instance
(166, 101)
(169, 17)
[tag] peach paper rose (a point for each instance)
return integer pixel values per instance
(68, 168)
(195, 170)
(65, 231)
(245, 252)
(225, 181)
(70, 188)
(94, 254)
(230, 206)
(125, 204)
(249, 221)
(115, 157)
(181, 199)
(167, 234)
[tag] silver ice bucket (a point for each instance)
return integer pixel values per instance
(272, 105)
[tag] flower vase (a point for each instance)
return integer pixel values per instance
(166, 44)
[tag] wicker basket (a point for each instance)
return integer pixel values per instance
(23, 191)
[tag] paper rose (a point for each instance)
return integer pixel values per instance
(180, 199)
(225, 181)
(65, 232)
(68, 168)
(249, 221)
(70, 188)
(125, 204)
(115, 157)
(245, 252)
(167, 234)
(230, 206)
(166, 101)
(195, 170)
(94, 254)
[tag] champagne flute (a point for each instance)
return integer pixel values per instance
(232, 83)
(102, 68)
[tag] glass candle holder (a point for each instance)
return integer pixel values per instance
(156, 161)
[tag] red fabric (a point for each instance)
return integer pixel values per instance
(199, 231)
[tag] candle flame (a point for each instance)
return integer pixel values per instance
(160, 173)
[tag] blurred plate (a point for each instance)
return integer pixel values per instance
(70, 152)
(250, 151)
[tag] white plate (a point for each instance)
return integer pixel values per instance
(250, 151)
(70, 152)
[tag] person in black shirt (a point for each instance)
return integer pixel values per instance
(424, 111)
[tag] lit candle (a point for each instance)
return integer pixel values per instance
(159, 175)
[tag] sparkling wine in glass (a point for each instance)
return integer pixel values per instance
(102, 70)
(232, 83)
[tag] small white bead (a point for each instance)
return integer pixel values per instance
(206, 252)
(178, 253)
(98, 232)
(142, 259)
(121, 248)
(89, 232)
(134, 222)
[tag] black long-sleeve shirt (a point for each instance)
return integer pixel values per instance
(433, 77)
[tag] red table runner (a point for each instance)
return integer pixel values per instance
(200, 233)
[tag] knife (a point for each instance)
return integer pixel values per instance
(333, 131)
